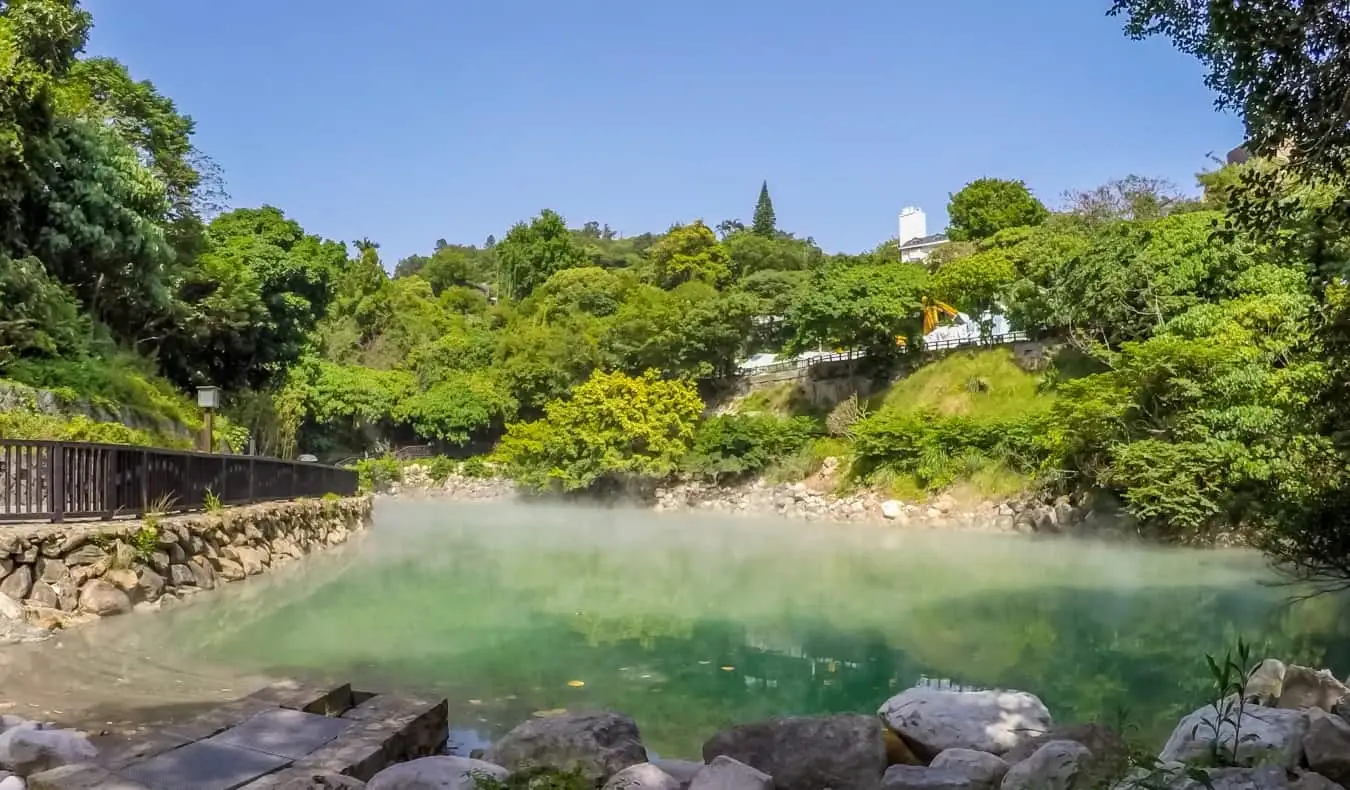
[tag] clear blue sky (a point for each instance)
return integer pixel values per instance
(413, 120)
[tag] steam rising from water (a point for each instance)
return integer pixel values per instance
(686, 622)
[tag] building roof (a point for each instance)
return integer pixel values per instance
(924, 241)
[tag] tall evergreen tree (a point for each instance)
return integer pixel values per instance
(764, 223)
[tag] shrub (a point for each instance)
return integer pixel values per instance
(378, 474)
(937, 450)
(440, 468)
(737, 446)
(476, 467)
(844, 416)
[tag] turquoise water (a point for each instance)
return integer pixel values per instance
(692, 623)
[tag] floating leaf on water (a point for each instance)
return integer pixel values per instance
(576, 684)
(475, 702)
(705, 663)
(727, 668)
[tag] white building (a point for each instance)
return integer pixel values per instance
(915, 243)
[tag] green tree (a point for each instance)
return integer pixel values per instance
(688, 253)
(988, 205)
(862, 307)
(765, 223)
(613, 429)
(531, 253)
(690, 331)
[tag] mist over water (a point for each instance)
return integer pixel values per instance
(690, 623)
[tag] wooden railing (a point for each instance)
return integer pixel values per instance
(53, 481)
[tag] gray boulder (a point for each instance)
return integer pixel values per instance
(1269, 736)
(103, 598)
(980, 770)
(1327, 745)
(598, 745)
(1058, 765)
(27, 750)
(682, 771)
(724, 773)
(845, 752)
(435, 773)
(643, 776)
(934, 720)
(923, 777)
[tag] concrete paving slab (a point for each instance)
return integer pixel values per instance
(284, 733)
(204, 766)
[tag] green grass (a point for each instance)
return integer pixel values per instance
(985, 383)
(783, 400)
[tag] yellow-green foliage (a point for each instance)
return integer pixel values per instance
(79, 428)
(115, 383)
(613, 427)
(977, 384)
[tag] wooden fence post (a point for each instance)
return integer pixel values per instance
(144, 472)
(252, 473)
(56, 475)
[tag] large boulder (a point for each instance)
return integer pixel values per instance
(1327, 745)
(1058, 765)
(808, 752)
(103, 598)
(643, 776)
(980, 770)
(598, 745)
(1275, 685)
(934, 720)
(923, 777)
(435, 773)
(724, 773)
(1268, 736)
(26, 750)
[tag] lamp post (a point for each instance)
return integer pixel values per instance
(208, 398)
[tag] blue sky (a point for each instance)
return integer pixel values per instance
(413, 120)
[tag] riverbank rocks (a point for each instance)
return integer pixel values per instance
(1058, 765)
(933, 720)
(808, 752)
(53, 572)
(1273, 684)
(27, 748)
(724, 773)
(598, 745)
(643, 776)
(980, 770)
(1268, 736)
(435, 773)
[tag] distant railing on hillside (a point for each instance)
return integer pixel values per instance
(53, 481)
(943, 344)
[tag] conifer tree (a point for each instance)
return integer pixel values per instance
(764, 223)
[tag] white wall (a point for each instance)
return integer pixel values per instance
(913, 224)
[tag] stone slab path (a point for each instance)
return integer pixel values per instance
(280, 734)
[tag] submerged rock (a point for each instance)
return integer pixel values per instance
(808, 752)
(435, 773)
(935, 720)
(599, 745)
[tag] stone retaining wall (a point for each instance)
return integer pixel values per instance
(55, 574)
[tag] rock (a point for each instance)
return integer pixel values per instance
(202, 572)
(250, 560)
(1058, 765)
(892, 509)
(42, 594)
(435, 773)
(1270, 736)
(598, 745)
(17, 584)
(1307, 780)
(808, 752)
(88, 554)
(934, 720)
(1265, 683)
(84, 776)
(1265, 778)
(897, 751)
(123, 579)
(103, 599)
(159, 560)
(923, 777)
(682, 771)
(1110, 753)
(52, 570)
(181, 575)
(12, 782)
(643, 776)
(10, 609)
(1310, 688)
(228, 569)
(26, 750)
(725, 773)
(980, 770)
(149, 585)
(1327, 745)
(324, 781)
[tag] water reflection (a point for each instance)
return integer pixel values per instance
(692, 624)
